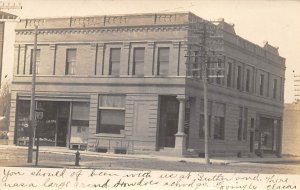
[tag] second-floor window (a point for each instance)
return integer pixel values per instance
(219, 72)
(70, 62)
(229, 74)
(114, 61)
(275, 88)
(239, 78)
(38, 60)
(248, 80)
(261, 84)
(138, 61)
(163, 61)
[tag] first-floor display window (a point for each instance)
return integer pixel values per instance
(219, 128)
(219, 121)
(111, 114)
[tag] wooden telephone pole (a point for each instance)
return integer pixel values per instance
(205, 41)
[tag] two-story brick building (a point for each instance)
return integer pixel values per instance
(123, 83)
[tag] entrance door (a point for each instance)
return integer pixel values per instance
(168, 121)
(251, 141)
(62, 126)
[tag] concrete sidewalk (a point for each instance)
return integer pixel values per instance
(217, 160)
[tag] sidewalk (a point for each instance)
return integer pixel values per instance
(215, 161)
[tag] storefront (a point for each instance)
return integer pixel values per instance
(64, 124)
(268, 136)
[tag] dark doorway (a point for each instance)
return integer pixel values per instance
(168, 121)
(268, 141)
(251, 141)
(62, 125)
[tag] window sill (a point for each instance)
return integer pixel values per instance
(110, 135)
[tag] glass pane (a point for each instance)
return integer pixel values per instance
(80, 111)
(115, 54)
(111, 121)
(71, 55)
(219, 109)
(138, 61)
(113, 117)
(117, 101)
(139, 54)
(163, 61)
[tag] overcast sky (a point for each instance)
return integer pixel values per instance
(275, 21)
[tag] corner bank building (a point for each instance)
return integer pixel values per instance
(132, 84)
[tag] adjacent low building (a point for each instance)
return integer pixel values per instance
(291, 132)
(132, 84)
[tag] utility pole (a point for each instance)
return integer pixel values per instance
(33, 123)
(204, 35)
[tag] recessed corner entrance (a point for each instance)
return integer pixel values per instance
(168, 123)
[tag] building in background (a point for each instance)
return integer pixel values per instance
(4, 17)
(291, 130)
(297, 87)
(132, 83)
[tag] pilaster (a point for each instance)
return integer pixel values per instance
(100, 59)
(52, 57)
(16, 59)
(22, 59)
(124, 60)
(93, 57)
(174, 62)
(182, 59)
(149, 59)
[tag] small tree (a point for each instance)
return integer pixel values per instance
(5, 96)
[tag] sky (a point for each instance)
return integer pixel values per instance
(275, 21)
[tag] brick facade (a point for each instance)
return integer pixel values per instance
(94, 37)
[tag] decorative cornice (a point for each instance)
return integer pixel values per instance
(151, 28)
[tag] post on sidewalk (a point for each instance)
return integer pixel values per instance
(39, 114)
(32, 100)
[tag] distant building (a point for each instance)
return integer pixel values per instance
(291, 130)
(130, 83)
(297, 86)
(3, 18)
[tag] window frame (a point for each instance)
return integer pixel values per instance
(239, 78)
(275, 83)
(159, 61)
(37, 61)
(248, 80)
(113, 63)
(229, 74)
(70, 64)
(141, 63)
(261, 84)
(112, 108)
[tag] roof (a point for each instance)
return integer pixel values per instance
(7, 16)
